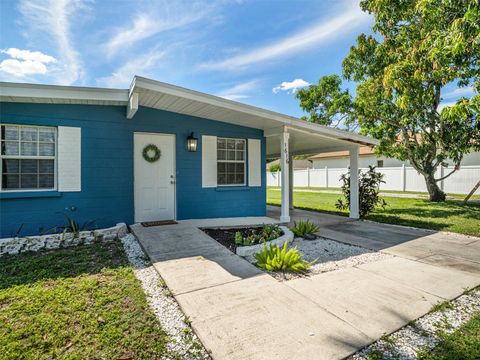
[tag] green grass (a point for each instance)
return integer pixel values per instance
(82, 302)
(453, 196)
(462, 344)
(451, 215)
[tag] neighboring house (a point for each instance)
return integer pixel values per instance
(151, 152)
(297, 164)
(340, 159)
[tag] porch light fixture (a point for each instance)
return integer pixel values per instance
(192, 142)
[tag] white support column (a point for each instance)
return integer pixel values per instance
(290, 181)
(284, 153)
(354, 198)
(326, 176)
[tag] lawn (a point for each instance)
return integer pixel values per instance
(462, 344)
(82, 302)
(451, 215)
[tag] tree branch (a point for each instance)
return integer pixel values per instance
(446, 176)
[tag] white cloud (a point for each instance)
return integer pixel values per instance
(140, 65)
(459, 92)
(53, 18)
(290, 86)
(25, 62)
(311, 36)
(152, 22)
(29, 55)
(239, 91)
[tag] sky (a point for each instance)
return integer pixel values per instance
(256, 52)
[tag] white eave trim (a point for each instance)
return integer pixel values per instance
(73, 93)
(283, 120)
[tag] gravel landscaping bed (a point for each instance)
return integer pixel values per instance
(423, 334)
(173, 321)
(331, 255)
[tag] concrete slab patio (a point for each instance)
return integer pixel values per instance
(239, 312)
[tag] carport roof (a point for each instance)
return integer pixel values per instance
(305, 137)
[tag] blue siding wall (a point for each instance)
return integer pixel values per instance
(107, 168)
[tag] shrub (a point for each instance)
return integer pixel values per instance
(268, 232)
(304, 227)
(368, 191)
(276, 258)
(274, 168)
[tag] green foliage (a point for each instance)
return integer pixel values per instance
(303, 227)
(72, 226)
(276, 258)
(268, 232)
(274, 168)
(419, 51)
(462, 344)
(368, 192)
(327, 104)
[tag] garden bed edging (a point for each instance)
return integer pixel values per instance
(18, 245)
(250, 250)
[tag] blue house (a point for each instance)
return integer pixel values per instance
(151, 152)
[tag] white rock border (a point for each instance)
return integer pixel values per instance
(19, 245)
(244, 251)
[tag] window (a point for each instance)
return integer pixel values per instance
(28, 157)
(379, 163)
(230, 161)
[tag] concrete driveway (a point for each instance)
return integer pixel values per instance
(240, 312)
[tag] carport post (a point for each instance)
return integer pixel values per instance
(354, 198)
(290, 181)
(284, 161)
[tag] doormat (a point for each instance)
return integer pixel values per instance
(158, 223)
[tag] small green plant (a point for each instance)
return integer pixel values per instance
(274, 168)
(72, 226)
(268, 232)
(368, 191)
(276, 258)
(304, 227)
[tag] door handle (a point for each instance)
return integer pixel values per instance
(172, 182)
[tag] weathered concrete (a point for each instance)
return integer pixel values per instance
(240, 312)
(446, 283)
(188, 259)
(373, 304)
(260, 318)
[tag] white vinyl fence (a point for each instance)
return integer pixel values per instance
(396, 178)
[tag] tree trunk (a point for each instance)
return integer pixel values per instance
(436, 194)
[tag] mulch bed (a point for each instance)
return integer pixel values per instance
(226, 237)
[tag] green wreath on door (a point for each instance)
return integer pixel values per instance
(151, 153)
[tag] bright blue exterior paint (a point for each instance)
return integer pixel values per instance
(107, 168)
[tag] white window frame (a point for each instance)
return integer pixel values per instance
(244, 162)
(29, 157)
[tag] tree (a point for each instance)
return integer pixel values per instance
(327, 104)
(418, 47)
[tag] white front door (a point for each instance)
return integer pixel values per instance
(154, 181)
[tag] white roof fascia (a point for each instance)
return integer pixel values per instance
(37, 91)
(289, 121)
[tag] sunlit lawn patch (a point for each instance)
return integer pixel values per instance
(81, 302)
(447, 216)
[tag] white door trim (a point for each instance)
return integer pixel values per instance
(174, 162)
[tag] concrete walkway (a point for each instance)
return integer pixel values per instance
(239, 312)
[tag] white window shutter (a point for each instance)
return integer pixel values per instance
(69, 158)
(254, 162)
(209, 161)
